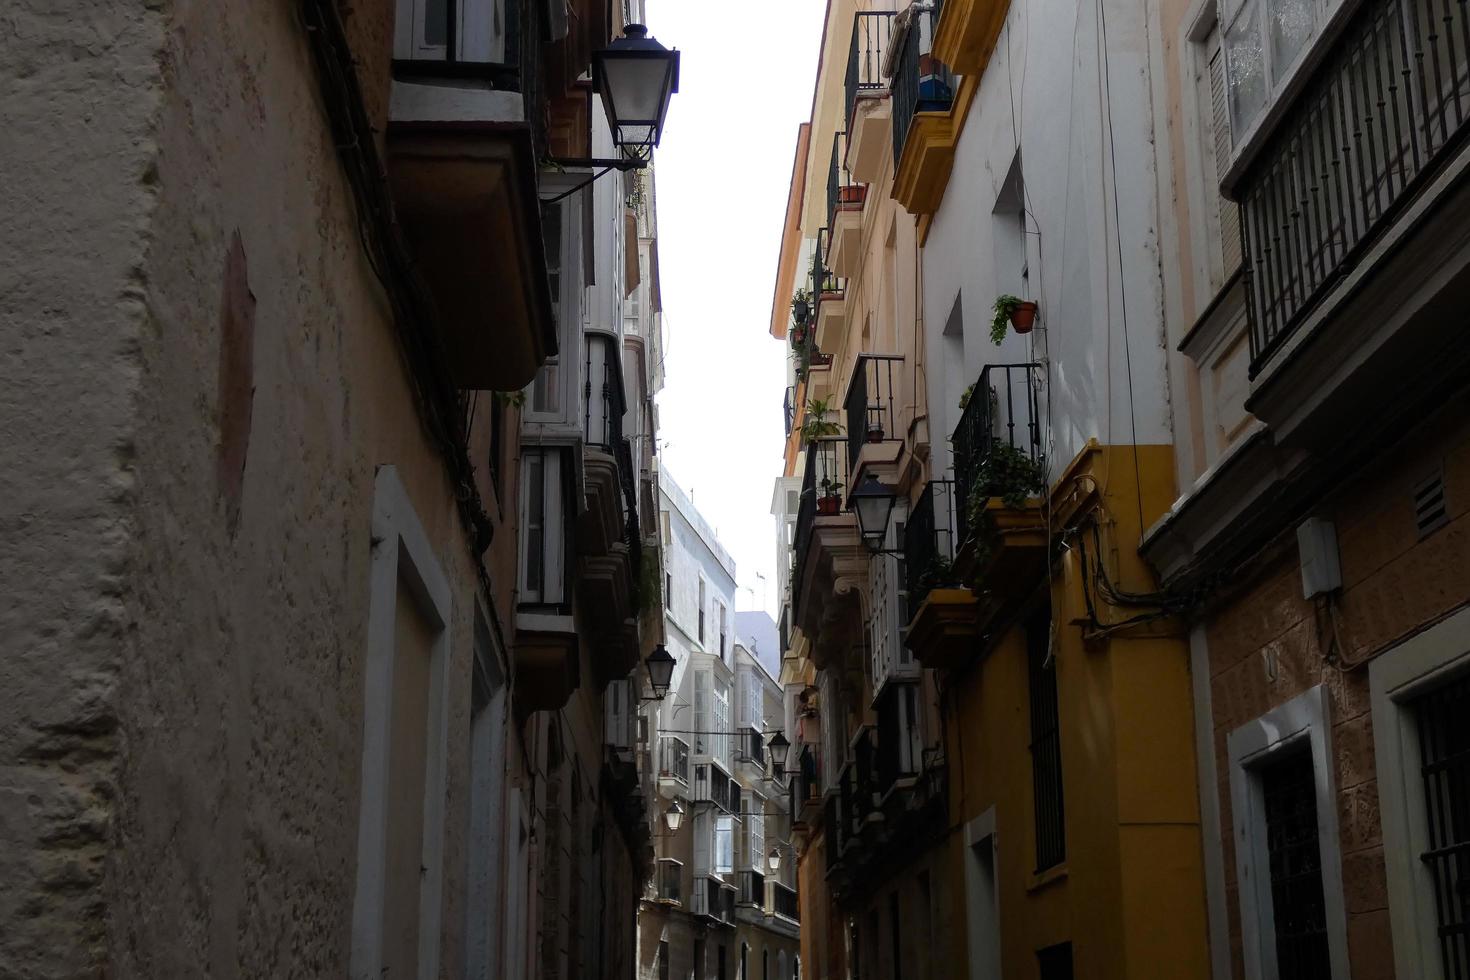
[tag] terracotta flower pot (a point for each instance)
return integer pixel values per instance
(852, 194)
(829, 506)
(875, 433)
(1023, 317)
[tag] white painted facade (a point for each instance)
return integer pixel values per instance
(1049, 118)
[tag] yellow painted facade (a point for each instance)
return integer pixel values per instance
(1129, 895)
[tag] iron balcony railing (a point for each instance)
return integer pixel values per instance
(784, 901)
(921, 82)
(752, 888)
(833, 827)
(711, 785)
(842, 192)
(1003, 411)
(737, 800)
(863, 779)
(899, 745)
(751, 747)
(870, 405)
(788, 407)
(821, 492)
(603, 403)
(824, 280)
(808, 781)
(938, 10)
(673, 758)
(670, 875)
(930, 539)
(871, 32)
(1377, 120)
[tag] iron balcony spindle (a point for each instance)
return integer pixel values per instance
(931, 538)
(871, 32)
(869, 406)
(1003, 408)
(921, 82)
(1379, 118)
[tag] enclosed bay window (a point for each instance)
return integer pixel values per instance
(1264, 41)
(721, 617)
(546, 502)
(720, 745)
(702, 723)
(724, 844)
(547, 397)
(702, 601)
(1220, 225)
(450, 30)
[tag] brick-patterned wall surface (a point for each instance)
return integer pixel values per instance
(1266, 646)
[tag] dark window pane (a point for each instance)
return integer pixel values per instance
(1444, 745)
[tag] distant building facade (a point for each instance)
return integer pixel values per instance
(715, 908)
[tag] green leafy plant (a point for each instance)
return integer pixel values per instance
(514, 399)
(830, 486)
(816, 424)
(1000, 321)
(940, 572)
(965, 397)
(1006, 473)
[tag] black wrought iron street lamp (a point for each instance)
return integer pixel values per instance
(873, 502)
(674, 816)
(636, 76)
(660, 666)
(780, 748)
(774, 861)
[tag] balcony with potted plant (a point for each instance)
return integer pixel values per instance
(830, 296)
(875, 440)
(924, 132)
(845, 198)
(999, 542)
(866, 93)
(829, 558)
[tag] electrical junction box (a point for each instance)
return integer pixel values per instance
(1316, 542)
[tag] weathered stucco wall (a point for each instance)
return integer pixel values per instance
(78, 183)
(1266, 646)
(181, 698)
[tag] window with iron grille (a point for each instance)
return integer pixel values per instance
(1298, 912)
(1046, 751)
(1444, 746)
(1055, 962)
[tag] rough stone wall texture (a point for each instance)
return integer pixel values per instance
(180, 700)
(78, 183)
(1394, 585)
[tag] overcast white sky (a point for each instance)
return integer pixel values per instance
(724, 167)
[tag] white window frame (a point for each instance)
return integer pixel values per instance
(722, 854)
(566, 309)
(720, 720)
(480, 35)
(1201, 164)
(1251, 746)
(1395, 677)
(402, 550)
(1282, 84)
(554, 467)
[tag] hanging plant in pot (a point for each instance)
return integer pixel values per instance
(1013, 311)
(801, 308)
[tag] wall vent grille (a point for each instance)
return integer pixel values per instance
(1430, 512)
